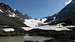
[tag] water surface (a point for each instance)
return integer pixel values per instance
(24, 38)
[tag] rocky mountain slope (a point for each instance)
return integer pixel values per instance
(11, 17)
(67, 13)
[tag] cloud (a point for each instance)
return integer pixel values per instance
(68, 2)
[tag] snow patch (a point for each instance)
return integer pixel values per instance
(44, 19)
(14, 9)
(1, 11)
(66, 3)
(27, 28)
(54, 27)
(12, 15)
(8, 29)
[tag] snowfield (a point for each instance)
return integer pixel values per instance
(47, 27)
(34, 24)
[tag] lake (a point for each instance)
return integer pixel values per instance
(24, 38)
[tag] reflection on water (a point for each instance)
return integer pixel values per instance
(23, 38)
(37, 38)
(12, 39)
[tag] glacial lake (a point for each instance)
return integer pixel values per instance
(24, 38)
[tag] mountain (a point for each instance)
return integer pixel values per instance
(11, 17)
(20, 15)
(50, 18)
(66, 15)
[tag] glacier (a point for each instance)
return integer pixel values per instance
(35, 24)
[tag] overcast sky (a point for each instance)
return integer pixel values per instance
(38, 8)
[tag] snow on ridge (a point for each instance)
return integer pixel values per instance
(69, 1)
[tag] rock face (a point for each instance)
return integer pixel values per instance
(11, 17)
(67, 13)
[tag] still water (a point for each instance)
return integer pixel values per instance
(24, 38)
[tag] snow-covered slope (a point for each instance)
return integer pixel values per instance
(35, 24)
(54, 27)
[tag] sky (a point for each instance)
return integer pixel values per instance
(37, 8)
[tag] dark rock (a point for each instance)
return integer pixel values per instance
(59, 40)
